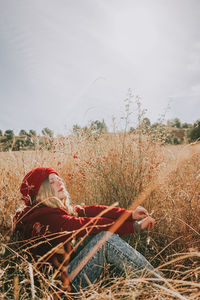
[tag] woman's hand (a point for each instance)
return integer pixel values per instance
(147, 222)
(139, 213)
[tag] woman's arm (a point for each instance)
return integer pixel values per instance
(80, 226)
(94, 210)
(111, 212)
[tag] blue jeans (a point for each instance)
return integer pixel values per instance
(116, 252)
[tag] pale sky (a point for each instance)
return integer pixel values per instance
(65, 62)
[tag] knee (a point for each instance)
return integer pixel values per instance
(114, 237)
(108, 236)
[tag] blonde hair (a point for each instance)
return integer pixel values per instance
(46, 197)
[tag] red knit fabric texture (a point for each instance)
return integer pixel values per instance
(32, 182)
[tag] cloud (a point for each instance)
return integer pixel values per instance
(63, 63)
(194, 58)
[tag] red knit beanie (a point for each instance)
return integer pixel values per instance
(32, 182)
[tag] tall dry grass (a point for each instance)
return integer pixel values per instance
(103, 169)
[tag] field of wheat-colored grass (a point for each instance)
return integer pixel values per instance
(105, 169)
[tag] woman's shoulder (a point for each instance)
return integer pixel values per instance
(31, 211)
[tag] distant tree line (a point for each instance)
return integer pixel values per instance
(25, 140)
(192, 131)
(95, 127)
(174, 132)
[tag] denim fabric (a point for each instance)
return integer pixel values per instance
(116, 252)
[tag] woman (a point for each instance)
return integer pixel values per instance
(49, 215)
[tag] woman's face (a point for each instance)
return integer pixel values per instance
(57, 186)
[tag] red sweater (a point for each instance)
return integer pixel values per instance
(44, 220)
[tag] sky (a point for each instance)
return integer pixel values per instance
(69, 62)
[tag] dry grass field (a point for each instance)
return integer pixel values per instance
(106, 169)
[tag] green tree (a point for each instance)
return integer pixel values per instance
(9, 134)
(194, 133)
(23, 141)
(31, 139)
(8, 142)
(174, 123)
(47, 139)
(1, 133)
(23, 132)
(32, 133)
(47, 132)
(98, 127)
(158, 132)
(132, 129)
(95, 127)
(186, 125)
(19, 144)
(146, 122)
(76, 129)
(145, 125)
